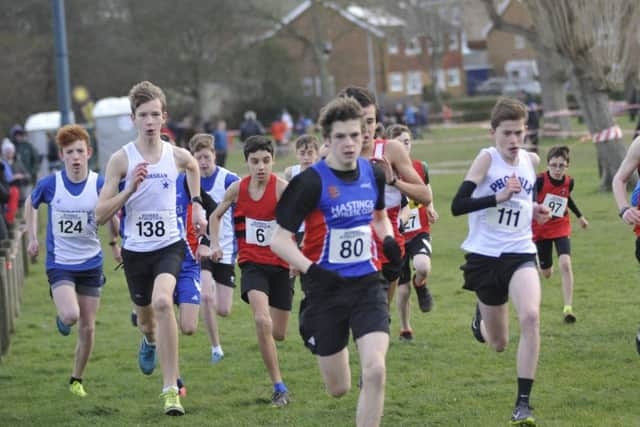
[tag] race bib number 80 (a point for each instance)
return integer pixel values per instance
(510, 215)
(258, 231)
(350, 245)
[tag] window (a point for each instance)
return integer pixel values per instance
(307, 86)
(453, 42)
(396, 83)
(414, 83)
(520, 42)
(413, 47)
(453, 77)
(392, 46)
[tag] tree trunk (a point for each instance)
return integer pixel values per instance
(595, 110)
(554, 93)
(320, 56)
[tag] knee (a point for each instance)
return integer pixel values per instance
(529, 320)
(162, 304)
(499, 344)
(423, 268)
(188, 328)
(263, 322)
(565, 264)
(88, 329)
(338, 390)
(69, 316)
(374, 373)
(223, 311)
(279, 335)
(208, 300)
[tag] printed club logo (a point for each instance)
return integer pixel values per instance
(333, 192)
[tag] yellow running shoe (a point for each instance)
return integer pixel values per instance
(569, 316)
(172, 404)
(77, 389)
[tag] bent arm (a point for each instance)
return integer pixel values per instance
(463, 202)
(381, 224)
(110, 200)
(230, 196)
(410, 182)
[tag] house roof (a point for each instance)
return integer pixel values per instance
(368, 20)
(502, 6)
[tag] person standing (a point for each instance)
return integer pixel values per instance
(497, 193)
(141, 177)
(265, 282)
(74, 254)
(341, 200)
(26, 152)
(221, 142)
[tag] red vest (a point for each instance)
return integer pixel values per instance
(254, 222)
(418, 220)
(557, 197)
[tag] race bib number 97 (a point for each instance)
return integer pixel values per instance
(70, 224)
(258, 231)
(510, 215)
(556, 204)
(350, 245)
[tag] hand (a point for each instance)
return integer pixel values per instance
(33, 247)
(293, 272)
(513, 186)
(631, 216)
(583, 222)
(202, 252)
(117, 253)
(384, 164)
(432, 214)
(216, 252)
(139, 174)
(392, 251)
(541, 213)
(198, 219)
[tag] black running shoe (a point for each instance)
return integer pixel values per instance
(425, 300)
(522, 416)
(280, 399)
(406, 335)
(475, 325)
(638, 342)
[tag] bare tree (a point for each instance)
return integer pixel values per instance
(593, 35)
(551, 66)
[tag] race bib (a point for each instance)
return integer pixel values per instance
(510, 215)
(413, 221)
(148, 225)
(556, 204)
(350, 245)
(70, 224)
(259, 231)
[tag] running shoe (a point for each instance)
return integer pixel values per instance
(147, 357)
(425, 300)
(172, 404)
(62, 328)
(475, 325)
(280, 399)
(216, 356)
(406, 335)
(134, 319)
(76, 388)
(569, 317)
(638, 342)
(182, 388)
(522, 416)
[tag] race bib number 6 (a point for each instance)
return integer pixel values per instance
(258, 231)
(556, 204)
(510, 215)
(350, 245)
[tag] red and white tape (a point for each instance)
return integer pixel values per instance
(609, 134)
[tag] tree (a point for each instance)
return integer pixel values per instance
(551, 66)
(594, 36)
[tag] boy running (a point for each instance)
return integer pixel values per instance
(265, 282)
(497, 193)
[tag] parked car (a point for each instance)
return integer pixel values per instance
(505, 86)
(491, 86)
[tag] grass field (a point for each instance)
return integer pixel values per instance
(587, 376)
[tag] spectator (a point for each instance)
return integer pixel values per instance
(303, 124)
(220, 141)
(26, 153)
(251, 126)
(53, 156)
(533, 124)
(410, 119)
(288, 121)
(16, 178)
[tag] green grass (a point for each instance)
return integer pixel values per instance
(587, 376)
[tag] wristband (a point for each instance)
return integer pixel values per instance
(623, 210)
(113, 243)
(198, 200)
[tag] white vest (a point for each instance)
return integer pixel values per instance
(226, 234)
(392, 196)
(505, 228)
(73, 222)
(295, 170)
(150, 219)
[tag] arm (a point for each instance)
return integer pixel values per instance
(432, 214)
(31, 216)
(110, 200)
(184, 160)
(114, 233)
(410, 182)
(230, 196)
(283, 244)
(621, 179)
(281, 185)
(463, 202)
